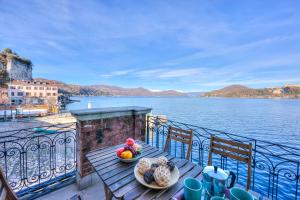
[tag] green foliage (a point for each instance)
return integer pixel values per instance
(7, 51)
(10, 53)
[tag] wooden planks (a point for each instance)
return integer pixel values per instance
(119, 177)
(232, 149)
(180, 135)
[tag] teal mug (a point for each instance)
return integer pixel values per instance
(240, 194)
(217, 198)
(192, 189)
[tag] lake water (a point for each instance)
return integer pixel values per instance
(276, 120)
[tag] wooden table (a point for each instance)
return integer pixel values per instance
(119, 180)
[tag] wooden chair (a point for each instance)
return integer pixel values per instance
(184, 136)
(232, 149)
(6, 193)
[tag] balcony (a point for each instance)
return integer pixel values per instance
(48, 162)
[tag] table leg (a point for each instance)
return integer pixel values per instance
(108, 194)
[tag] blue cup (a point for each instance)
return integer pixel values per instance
(217, 198)
(240, 194)
(192, 189)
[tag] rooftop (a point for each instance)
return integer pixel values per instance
(33, 82)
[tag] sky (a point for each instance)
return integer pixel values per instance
(157, 44)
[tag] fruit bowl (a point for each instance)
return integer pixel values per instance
(131, 151)
(129, 160)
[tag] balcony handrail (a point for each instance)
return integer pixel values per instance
(282, 146)
(223, 132)
(275, 167)
(31, 130)
(33, 160)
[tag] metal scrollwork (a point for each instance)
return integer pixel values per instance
(275, 167)
(29, 157)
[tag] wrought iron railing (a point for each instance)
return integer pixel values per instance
(275, 167)
(37, 160)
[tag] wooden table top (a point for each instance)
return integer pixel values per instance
(119, 177)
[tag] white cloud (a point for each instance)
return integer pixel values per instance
(166, 73)
(176, 73)
(117, 73)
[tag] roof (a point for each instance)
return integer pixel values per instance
(21, 82)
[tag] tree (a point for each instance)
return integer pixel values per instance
(7, 51)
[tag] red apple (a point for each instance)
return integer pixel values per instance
(120, 151)
(130, 142)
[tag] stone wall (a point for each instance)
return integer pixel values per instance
(1, 65)
(19, 70)
(98, 128)
(101, 133)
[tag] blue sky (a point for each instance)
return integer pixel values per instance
(157, 44)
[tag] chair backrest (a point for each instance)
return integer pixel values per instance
(183, 136)
(232, 149)
(6, 193)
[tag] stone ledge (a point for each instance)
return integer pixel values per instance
(109, 112)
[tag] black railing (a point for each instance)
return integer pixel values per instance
(275, 167)
(38, 160)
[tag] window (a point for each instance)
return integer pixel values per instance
(12, 94)
(34, 94)
(20, 87)
(35, 88)
(20, 93)
(12, 87)
(28, 88)
(27, 94)
(41, 88)
(54, 94)
(53, 88)
(48, 94)
(41, 94)
(48, 88)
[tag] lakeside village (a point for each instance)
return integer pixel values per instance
(20, 94)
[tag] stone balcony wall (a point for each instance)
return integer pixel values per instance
(98, 128)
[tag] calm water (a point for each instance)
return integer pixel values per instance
(276, 120)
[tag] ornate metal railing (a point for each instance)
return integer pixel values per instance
(37, 160)
(275, 167)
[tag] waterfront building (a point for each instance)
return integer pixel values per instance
(32, 93)
(277, 91)
(292, 85)
(3, 95)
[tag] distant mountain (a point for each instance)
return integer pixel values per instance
(194, 94)
(107, 90)
(287, 91)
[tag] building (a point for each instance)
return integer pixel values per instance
(277, 91)
(3, 96)
(32, 93)
(18, 68)
(293, 85)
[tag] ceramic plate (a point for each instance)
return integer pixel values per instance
(174, 177)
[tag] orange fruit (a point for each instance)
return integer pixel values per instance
(126, 154)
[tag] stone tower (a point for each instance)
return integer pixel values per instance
(17, 68)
